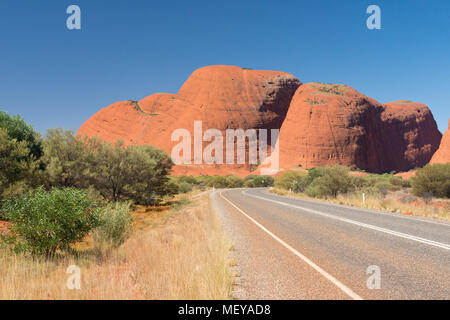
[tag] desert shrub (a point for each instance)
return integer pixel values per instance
(225, 182)
(184, 187)
(188, 179)
(382, 187)
(43, 222)
(115, 225)
(293, 181)
(360, 182)
(253, 181)
(313, 190)
(235, 182)
(217, 182)
(203, 181)
(432, 179)
(329, 181)
(399, 182)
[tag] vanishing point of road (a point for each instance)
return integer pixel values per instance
(290, 248)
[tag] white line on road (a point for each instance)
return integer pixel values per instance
(361, 224)
(359, 209)
(328, 276)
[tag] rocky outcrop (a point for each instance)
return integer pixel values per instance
(321, 124)
(331, 124)
(442, 155)
(410, 133)
(222, 97)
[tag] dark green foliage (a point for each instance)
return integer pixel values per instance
(17, 168)
(184, 187)
(69, 160)
(43, 222)
(432, 180)
(138, 173)
(294, 181)
(329, 181)
(225, 182)
(19, 130)
(253, 181)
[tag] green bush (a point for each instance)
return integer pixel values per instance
(235, 182)
(69, 160)
(253, 181)
(115, 225)
(319, 182)
(138, 173)
(20, 131)
(293, 181)
(188, 179)
(184, 187)
(330, 181)
(398, 183)
(432, 180)
(229, 181)
(17, 167)
(43, 222)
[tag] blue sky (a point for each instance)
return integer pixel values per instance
(54, 77)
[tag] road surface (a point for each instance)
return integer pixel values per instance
(289, 248)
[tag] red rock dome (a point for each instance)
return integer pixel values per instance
(442, 155)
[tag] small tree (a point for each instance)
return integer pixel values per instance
(17, 167)
(329, 181)
(68, 159)
(138, 173)
(43, 222)
(293, 181)
(19, 130)
(253, 181)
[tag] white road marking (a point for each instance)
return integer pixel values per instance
(360, 224)
(328, 276)
(331, 204)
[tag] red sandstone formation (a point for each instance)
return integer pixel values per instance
(222, 97)
(411, 134)
(442, 155)
(321, 124)
(331, 124)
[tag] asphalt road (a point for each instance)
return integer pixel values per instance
(290, 248)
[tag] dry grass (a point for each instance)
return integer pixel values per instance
(437, 209)
(180, 255)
